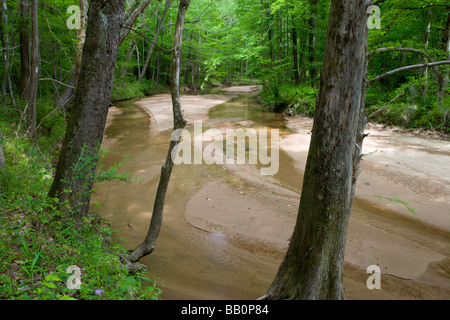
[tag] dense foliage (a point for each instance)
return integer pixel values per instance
(38, 243)
(278, 43)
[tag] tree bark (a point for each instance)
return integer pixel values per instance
(5, 40)
(24, 50)
(34, 77)
(312, 42)
(295, 54)
(81, 36)
(314, 263)
(446, 46)
(77, 163)
(149, 243)
(2, 156)
(427, 41)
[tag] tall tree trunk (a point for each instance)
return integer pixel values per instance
(69, 90)
(312, 42)
(314, 263)
(81, 36)
(2, 156)
(302, 67)
(149, 243)
(155, 38)
(34, 77)
(295, 54)
(427, 41)
(77, 163)
(5, 40)
(265, 7)
(127, 59)
(445, 79)
(24, 50)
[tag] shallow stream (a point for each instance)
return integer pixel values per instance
(191, 262)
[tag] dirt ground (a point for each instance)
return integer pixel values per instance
(408, 237)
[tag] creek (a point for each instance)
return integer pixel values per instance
(200, 253)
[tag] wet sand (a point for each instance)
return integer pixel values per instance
(226, 227)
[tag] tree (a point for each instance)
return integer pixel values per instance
(132, 13)
(75, 171)
(24, 50)
(314, 263)
(34, 76)
(155, 38)
(149, 243)
(312, 41)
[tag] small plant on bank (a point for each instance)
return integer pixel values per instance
(39, 241)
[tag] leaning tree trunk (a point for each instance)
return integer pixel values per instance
(314, 263)
(149, 243)
(77, 163)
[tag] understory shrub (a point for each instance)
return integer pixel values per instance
(44, 252)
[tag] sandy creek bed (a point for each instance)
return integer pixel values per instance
(226, 227)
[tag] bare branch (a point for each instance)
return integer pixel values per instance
(387, 104)
(54, 80)
(132, 17)
(147, 39)
(415, 66)
(426, 57)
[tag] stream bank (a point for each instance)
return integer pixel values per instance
(214, 248)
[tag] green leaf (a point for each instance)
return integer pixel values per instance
(66, 297)
(52, 277)
(49, 284)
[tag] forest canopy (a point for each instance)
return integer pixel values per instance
(279, 44)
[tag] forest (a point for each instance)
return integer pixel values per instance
(58, 81)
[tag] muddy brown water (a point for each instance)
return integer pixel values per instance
(189, 263)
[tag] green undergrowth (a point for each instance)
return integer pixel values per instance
(135, 89)
(288, 97)
(410, 111)
(44, 252)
